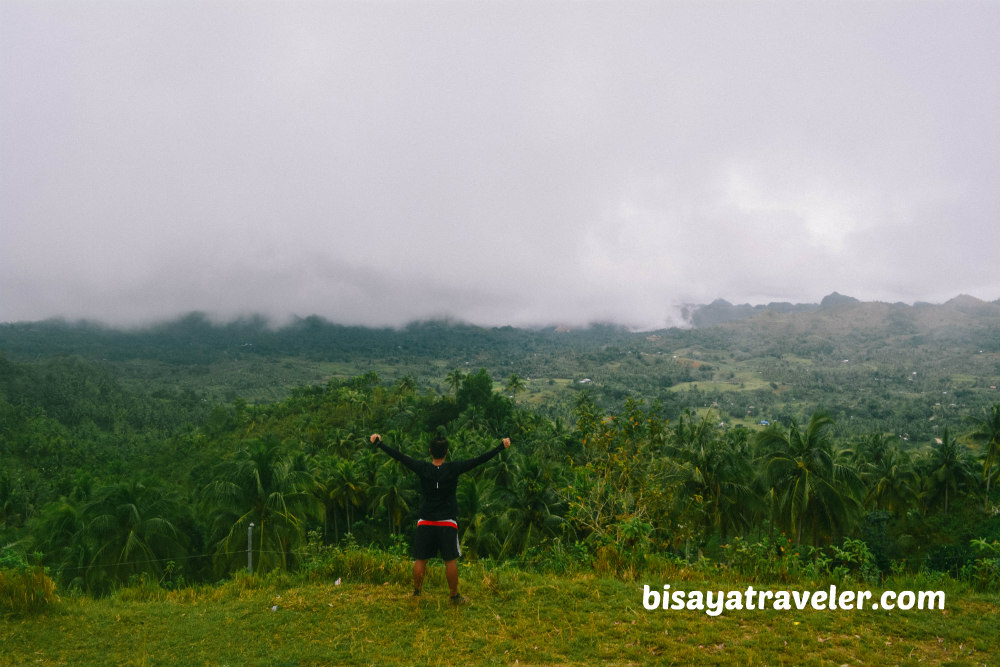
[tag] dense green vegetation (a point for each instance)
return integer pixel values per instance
(135, 454)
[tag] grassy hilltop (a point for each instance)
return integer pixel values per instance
(516, 618)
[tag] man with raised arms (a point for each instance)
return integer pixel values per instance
(437, 528)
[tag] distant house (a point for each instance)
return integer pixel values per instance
(586, 381)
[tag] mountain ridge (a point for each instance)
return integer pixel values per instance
(837, 312)
(721, 312)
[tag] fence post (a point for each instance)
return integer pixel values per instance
(250, 549)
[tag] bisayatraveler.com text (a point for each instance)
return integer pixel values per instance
(714, 603)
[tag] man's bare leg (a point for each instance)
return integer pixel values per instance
(451, 573)
(419, 568)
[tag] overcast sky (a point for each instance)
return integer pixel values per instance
(494, 162)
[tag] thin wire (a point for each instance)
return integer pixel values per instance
(159, 560)
(519, 561)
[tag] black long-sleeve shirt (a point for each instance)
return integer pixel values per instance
(438, 483)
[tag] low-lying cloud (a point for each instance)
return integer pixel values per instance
(505, 163)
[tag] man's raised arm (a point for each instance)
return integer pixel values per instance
(407, 461)
(469, 464)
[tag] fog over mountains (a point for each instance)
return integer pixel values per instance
(835, 313)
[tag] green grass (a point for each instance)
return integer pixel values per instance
(737, 385)
(539, 391)
(516, 618)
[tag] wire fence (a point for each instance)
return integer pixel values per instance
(520, 561)
(167, 559)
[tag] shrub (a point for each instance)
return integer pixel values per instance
(140, 588)
(984, 573)
(558, 557)
(854, 558)
(783, 562)
(352, 562)
(760, 561)
(24, 588)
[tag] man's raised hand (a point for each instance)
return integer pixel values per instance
(375, 438)
(506, 443)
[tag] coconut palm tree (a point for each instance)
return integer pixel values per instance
(10, 502)
(987, 433)
(717, 471)
(129, 529)
(260, 485)
(811, 489)
(948, 471)
(514, 385)
(57, 533)
(691, 433)
(891, 481)
(405, 387)
(455, 379)
(343, 490)
(736, 505)
(871, 448)
(361, 404)
(532, 509)
(477, 521)
(392, 493)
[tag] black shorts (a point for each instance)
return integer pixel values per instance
(432, 540)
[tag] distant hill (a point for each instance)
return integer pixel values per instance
(195, 339)
(721, 311)
(849, 309)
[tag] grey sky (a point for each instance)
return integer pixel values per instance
(496, 162)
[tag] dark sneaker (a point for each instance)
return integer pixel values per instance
(458, 600)
(416, 592)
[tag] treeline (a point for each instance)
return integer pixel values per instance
(906, 370)
(196, 339)
(123, 493)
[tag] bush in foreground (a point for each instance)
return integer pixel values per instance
(24, 588)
